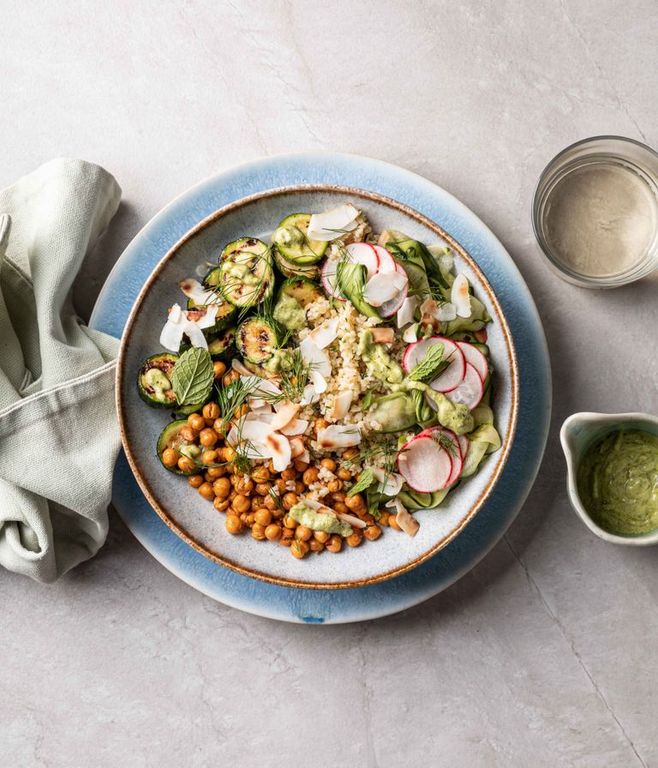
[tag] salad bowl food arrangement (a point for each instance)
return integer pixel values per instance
(339, 381)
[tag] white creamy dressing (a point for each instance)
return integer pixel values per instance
(601, 219)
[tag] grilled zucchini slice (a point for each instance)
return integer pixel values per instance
(257, 340)
(170, 437)
(154, 380)
(291, 241)
(245, 272)
(289, 269)
(302, 289)
(222, 344)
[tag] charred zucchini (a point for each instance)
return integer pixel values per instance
(257, 340)
(225, 312)
(292, 243)
(154, 380)
(222, 344)
(245, 272)
(302, 289)
(171, 437)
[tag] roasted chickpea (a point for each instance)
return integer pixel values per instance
(208, 437)
(288, 474)
(303, 533)
(300, 466)
(169, 457)
(263, 489)
(355, 503)
(315, 545)
(220, 426)
(372, 532)
(339, 506)
(222, 487)
(355, 539)
(289, 500)
(209, 457)
(256, 503)
(335, 543)
(321, 536)
(287, 537)
(333, 486)
(321, 424)
(349, 454)
(260, 475)
(383, 518)
(241, 503)
(280, 485)
(195, 481)
(249, 519)
(299, 487)
(288, 522)
(344, 474)
(311, 475)
(230, 377)
(185, 464)
(329, 464)
(273, 532)
(215, 472)
(228, 454)
(206, 490)
(188, 434)
(233, 524)
(271, 502)
(338, 496)
(263, 516)
(244, 485)
(258, 532)
(210, 412)
(196, 421)
(218, 369)
(299, 549)
(221, 505)
(393, 523)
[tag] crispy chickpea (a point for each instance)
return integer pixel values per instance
(286, 537)
(241, 503)
(256, 503)
(244, 485)
(372, 532)
(289, 500)
(210, 412)
(196, 421)
(273, 532)
(263, 489)
(218, 369)
(355, 539)
(206, 490)
(333, 486)
(344, 474)
(288, 522)
(209, 457)
(280, 485)
(228, 454)
(222, 487)
(299, 487)
(188, 434)
(383, 518)
(249, 519)
(315, 545)
(220, 426)
(335, 543)
(278, 513)
(258, 532)
(288, 474)
(300, 466)
(216, 472)
(393, 523)
(232, 495)
(169, 457)
(311, 475)
(329, 464)
(303, 533)
(338, 496)
(243, 517)
(355, 503)
(349, 454)
(321, 424)
(321, 536)
(299, 549)
(208, 477)
(185, 464)
(195, 481)
(271, 502)
(340, 507)
(263, 516)
(260, 475)
(230, 377)
(233, 524)
(221, 505)
(208, 437)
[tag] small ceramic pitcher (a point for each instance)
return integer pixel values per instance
(577, 434)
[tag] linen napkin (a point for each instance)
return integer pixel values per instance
(58, 433)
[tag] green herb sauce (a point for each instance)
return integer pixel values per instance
(618, 482)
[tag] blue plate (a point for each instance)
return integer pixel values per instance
(341, 605)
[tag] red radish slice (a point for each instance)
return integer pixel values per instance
(328, 277)
(390, 308)
(464, 445)
(475, 358)
(415, 352)
(385, 262)
(362, 253)
(439, 433)
(470, 391)
(424, 464)
(384, 288)
(453, 375)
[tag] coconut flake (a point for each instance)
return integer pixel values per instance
(324, 334)
(278, 448)
(194, 290)
(410, 333)
(407, 311)
(352, 520)
(241, 368)
(332, 224)
(285, 413)
(297, 447)
(294, 427)
(446, 312)
(316, 358)
(383, 334)
(342, 403)
(337, 436)
(460, 296)
(383, 287)
(180, 324)
(389, 483)
(407, 522)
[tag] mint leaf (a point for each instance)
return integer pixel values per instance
(364, 481)
(193, 377)
(431, 365)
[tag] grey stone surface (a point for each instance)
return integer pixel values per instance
(545, 654)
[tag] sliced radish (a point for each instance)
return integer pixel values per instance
(425, 465)
(385, 262)
(415, 352)
(470, 391)
(475, 358)
(464, 445)
(362, 253)
(440, 433)
(328, 277)
(385, 288)
(450, 377)
(390, 308)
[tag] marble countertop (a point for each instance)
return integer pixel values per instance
(546, 653)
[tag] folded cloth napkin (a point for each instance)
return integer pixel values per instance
(58, 433)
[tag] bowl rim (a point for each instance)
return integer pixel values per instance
(151, 281)
(613, 421)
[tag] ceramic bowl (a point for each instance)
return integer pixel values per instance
(578, 432)
(194, 519)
